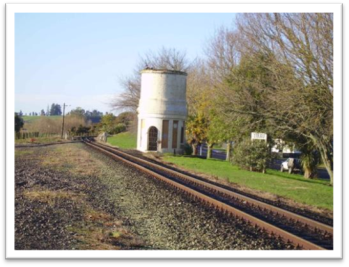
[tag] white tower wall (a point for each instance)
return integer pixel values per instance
(162, 105)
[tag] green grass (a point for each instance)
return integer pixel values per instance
(124, 140)
(316, 193)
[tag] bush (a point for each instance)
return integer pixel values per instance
(18, 123)
(119, 128)
(187, 149)
(252, 155)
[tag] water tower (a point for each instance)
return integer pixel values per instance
(162, 111)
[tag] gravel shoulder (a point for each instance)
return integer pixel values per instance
(72, 197)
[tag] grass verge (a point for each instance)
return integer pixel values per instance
(124, 140)
(315, 192)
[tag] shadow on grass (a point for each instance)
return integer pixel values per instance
(298, 178)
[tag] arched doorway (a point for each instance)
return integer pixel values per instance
(152, 139)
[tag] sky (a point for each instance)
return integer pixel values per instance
(79, 58)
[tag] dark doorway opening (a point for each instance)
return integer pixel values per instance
(152, 139)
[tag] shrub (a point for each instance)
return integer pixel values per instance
(252, 155)
(18, 123)
(187, 149)
(119, 128)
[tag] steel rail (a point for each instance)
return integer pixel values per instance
(274, 230)
(288, 214)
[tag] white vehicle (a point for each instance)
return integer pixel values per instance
(291, 165)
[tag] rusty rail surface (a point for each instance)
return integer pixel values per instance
(286, 236)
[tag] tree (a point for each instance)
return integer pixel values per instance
(126, 118)
(94, 116)
(42, 113)
(282, 82)
(108, 123)
(165, 58)
(78, 112)
(196, 130)
(221, 130)
(200, 95)
(20, 113)
(18, 123)
(55, 110)
(223, 53)
(302, 103)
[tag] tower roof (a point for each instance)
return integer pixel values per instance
(163, 71)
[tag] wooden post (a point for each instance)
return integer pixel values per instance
(227, 158)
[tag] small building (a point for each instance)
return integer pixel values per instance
(162, 111)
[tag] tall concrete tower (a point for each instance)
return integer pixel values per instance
(162, 111)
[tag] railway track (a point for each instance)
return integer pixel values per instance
(301, 231)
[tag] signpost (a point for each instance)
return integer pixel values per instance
(258, 136)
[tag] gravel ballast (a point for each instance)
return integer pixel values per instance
(153, 215)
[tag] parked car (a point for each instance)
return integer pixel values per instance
(291, 165)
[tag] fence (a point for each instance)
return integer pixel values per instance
(25, 135)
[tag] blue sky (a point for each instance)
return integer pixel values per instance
(79, 58)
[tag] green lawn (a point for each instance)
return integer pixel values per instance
(317, 193)
(124, 140)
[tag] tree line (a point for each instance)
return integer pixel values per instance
(79, 122)
(270, 73)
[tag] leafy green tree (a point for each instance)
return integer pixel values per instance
(222, 130)
(94, 116)
(55, 110)
(125, 118)
(196, 130)
(108, 123)
(78, 112)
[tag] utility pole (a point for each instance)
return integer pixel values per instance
(64, 105)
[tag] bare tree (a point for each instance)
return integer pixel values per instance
(129, 98)
(170, 59)
(223, 53)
